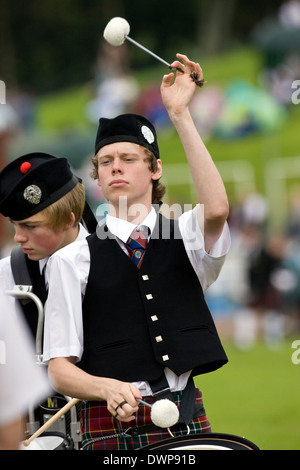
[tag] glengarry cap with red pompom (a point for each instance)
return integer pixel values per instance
(33, 182)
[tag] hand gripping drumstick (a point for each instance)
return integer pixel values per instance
(52, 420)
(164, 414)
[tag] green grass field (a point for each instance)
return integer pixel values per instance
(256, 396)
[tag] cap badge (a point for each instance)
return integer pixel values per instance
(32, 194)
(148, 134)
(25, 167)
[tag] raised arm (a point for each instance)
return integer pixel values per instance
(208, 183)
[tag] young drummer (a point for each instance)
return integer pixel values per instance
(143, 329)
(45, 202)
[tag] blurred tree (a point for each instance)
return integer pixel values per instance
(8, 71)
(215, 25)
(53, 43)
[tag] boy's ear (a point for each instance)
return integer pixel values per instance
(72, 220)
(158, 173)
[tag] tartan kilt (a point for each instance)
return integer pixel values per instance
(101, 431)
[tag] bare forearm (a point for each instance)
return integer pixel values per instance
(207, 180)
(208, 183)
(70, 380)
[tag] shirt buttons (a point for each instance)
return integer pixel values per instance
(165, 357)
(154, 318)
(145, 277)
(149, 296)
(158, 339)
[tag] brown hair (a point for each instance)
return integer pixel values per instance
(158, 189)
(58, 214)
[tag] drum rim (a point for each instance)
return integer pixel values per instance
(54, 433)
(64, 440)
(245, 443)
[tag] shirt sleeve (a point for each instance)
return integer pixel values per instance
(207, 266)
(7, 281)
(67, 273)
(23, 382)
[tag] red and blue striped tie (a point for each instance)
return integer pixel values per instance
(136, 246)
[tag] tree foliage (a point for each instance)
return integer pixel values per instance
(54, 43)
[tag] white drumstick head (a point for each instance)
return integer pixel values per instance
(116, 31)
(164, 413)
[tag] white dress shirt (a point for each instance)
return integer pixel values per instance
(23, 384)
(7, 281)
(68, 271)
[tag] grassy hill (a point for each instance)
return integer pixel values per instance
(64, 114)
(256, 396)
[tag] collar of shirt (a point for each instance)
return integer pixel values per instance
(122, 229)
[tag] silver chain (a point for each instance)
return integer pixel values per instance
(98, 439)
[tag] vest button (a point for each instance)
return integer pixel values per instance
(149, 296)
(145, 277)
(158, 339)
(154, 318)
(165, 357)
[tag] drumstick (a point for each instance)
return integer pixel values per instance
(52, 420)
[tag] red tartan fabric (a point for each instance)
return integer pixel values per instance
(101, 431)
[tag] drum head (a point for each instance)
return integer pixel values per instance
(203, 441)
(49, 441)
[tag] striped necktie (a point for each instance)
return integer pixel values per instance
(136, 246)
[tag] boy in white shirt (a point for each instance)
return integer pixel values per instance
(45, 202)
(143, 326)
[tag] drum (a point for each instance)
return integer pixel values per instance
(211, 441)
(51, 406)
(50, 441)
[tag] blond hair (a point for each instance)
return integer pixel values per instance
(58, 214)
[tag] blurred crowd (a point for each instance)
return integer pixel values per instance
(259, 287)
(257, 296)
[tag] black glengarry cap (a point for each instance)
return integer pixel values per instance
(127, 128)
(33, 182)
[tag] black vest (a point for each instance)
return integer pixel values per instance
(137, 322)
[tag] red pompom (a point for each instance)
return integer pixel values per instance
(25, 167)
